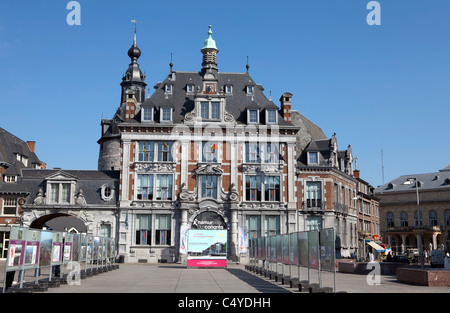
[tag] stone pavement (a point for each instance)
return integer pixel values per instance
(176, 278)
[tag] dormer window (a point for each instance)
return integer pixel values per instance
(313, 158)
(210, 110)
(168, 88)
(250, 90)
(190, 88)
(271, 117)
(166, 115)
(252, 116)
(228, 89)
(147, 114)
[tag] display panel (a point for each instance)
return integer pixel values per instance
(327, 252)
(57, 248)
(68, 242)
(285, 248)
(45, 248)
(293, 238)
(303, 248)
(207, 248)
(32, 248)
(16, 249)
(313, 248)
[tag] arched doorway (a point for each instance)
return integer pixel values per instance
(60, 222)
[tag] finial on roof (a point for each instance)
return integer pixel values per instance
(171, 64)
(247, 66)
(134, 53)
(209, 42)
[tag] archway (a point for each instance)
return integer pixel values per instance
(60, 222)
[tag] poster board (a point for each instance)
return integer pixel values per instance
(207, 248)
(313, 249)
(32, 249)
(285, 248)
(76, 247)
(45, 248)
(293, 253)
(57, 248)
(303, 248)
(16, 249)
(327, 251)
(68, 241)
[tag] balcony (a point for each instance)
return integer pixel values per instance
(313, 205)
(341, 208)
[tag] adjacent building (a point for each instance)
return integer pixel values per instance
(15, 155)
(415, 209)
(205, 150)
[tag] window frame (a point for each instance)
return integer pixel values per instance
(268, 116)
(144, 112)
(161, 117)
(249, 117)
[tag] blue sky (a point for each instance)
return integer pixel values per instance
(378, 87)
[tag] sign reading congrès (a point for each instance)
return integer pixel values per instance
(207, 241)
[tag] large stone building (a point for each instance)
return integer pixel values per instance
(414, 209)
(206, 149)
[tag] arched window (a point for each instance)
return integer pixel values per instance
(390, 219)
(403, 219)
(432, 218)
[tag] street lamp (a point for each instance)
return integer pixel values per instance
(409, 181)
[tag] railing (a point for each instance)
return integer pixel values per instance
(315, 205)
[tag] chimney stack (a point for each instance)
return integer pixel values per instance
(31, 145)
(286, 102)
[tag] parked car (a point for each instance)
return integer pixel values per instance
(400, 259)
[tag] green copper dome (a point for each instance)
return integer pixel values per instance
(209, 42)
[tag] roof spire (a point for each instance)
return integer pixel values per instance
(134, 53)
(247, 67)
(171, 64)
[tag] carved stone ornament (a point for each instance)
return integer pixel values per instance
(79, 198)
(208, 169)
(40, 198)
(232, 195)
(153, 167)
(186, 195)
(260, 168)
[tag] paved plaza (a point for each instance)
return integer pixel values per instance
(176, 278)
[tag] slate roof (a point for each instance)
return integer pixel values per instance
(428, 181)
(90, 181)
(11, 145)
(236, 103)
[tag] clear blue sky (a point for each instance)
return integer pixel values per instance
(378, 87)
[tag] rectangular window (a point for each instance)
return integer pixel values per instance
(145, 187)
(162, 228)
(313, 194)
(166, 114)
(271, 225)
(209, 151)
(272, 154)
(143, 229)
(253, 116)
(146, 151)
(250, 90)
(9, 206)
(164, 185)
(54, 193)
(228, 89)
(313, 158)
(252, 153)
(314, 223)
(215, 112)
(190, 88)
(65, 193)
(204, 108)
(209, 186)
(147, 114)
(272, 188)
(271, 116)
(253, 226)
(253, 188)
(165, 151)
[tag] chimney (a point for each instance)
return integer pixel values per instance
(130, 109)
(356, 173)
(31, 145)
(286, 101)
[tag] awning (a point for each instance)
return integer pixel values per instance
(375, 246)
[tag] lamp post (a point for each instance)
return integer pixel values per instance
(408, 182)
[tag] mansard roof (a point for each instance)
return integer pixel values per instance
(183, 102)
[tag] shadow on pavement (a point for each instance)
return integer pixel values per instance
(258, 283)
